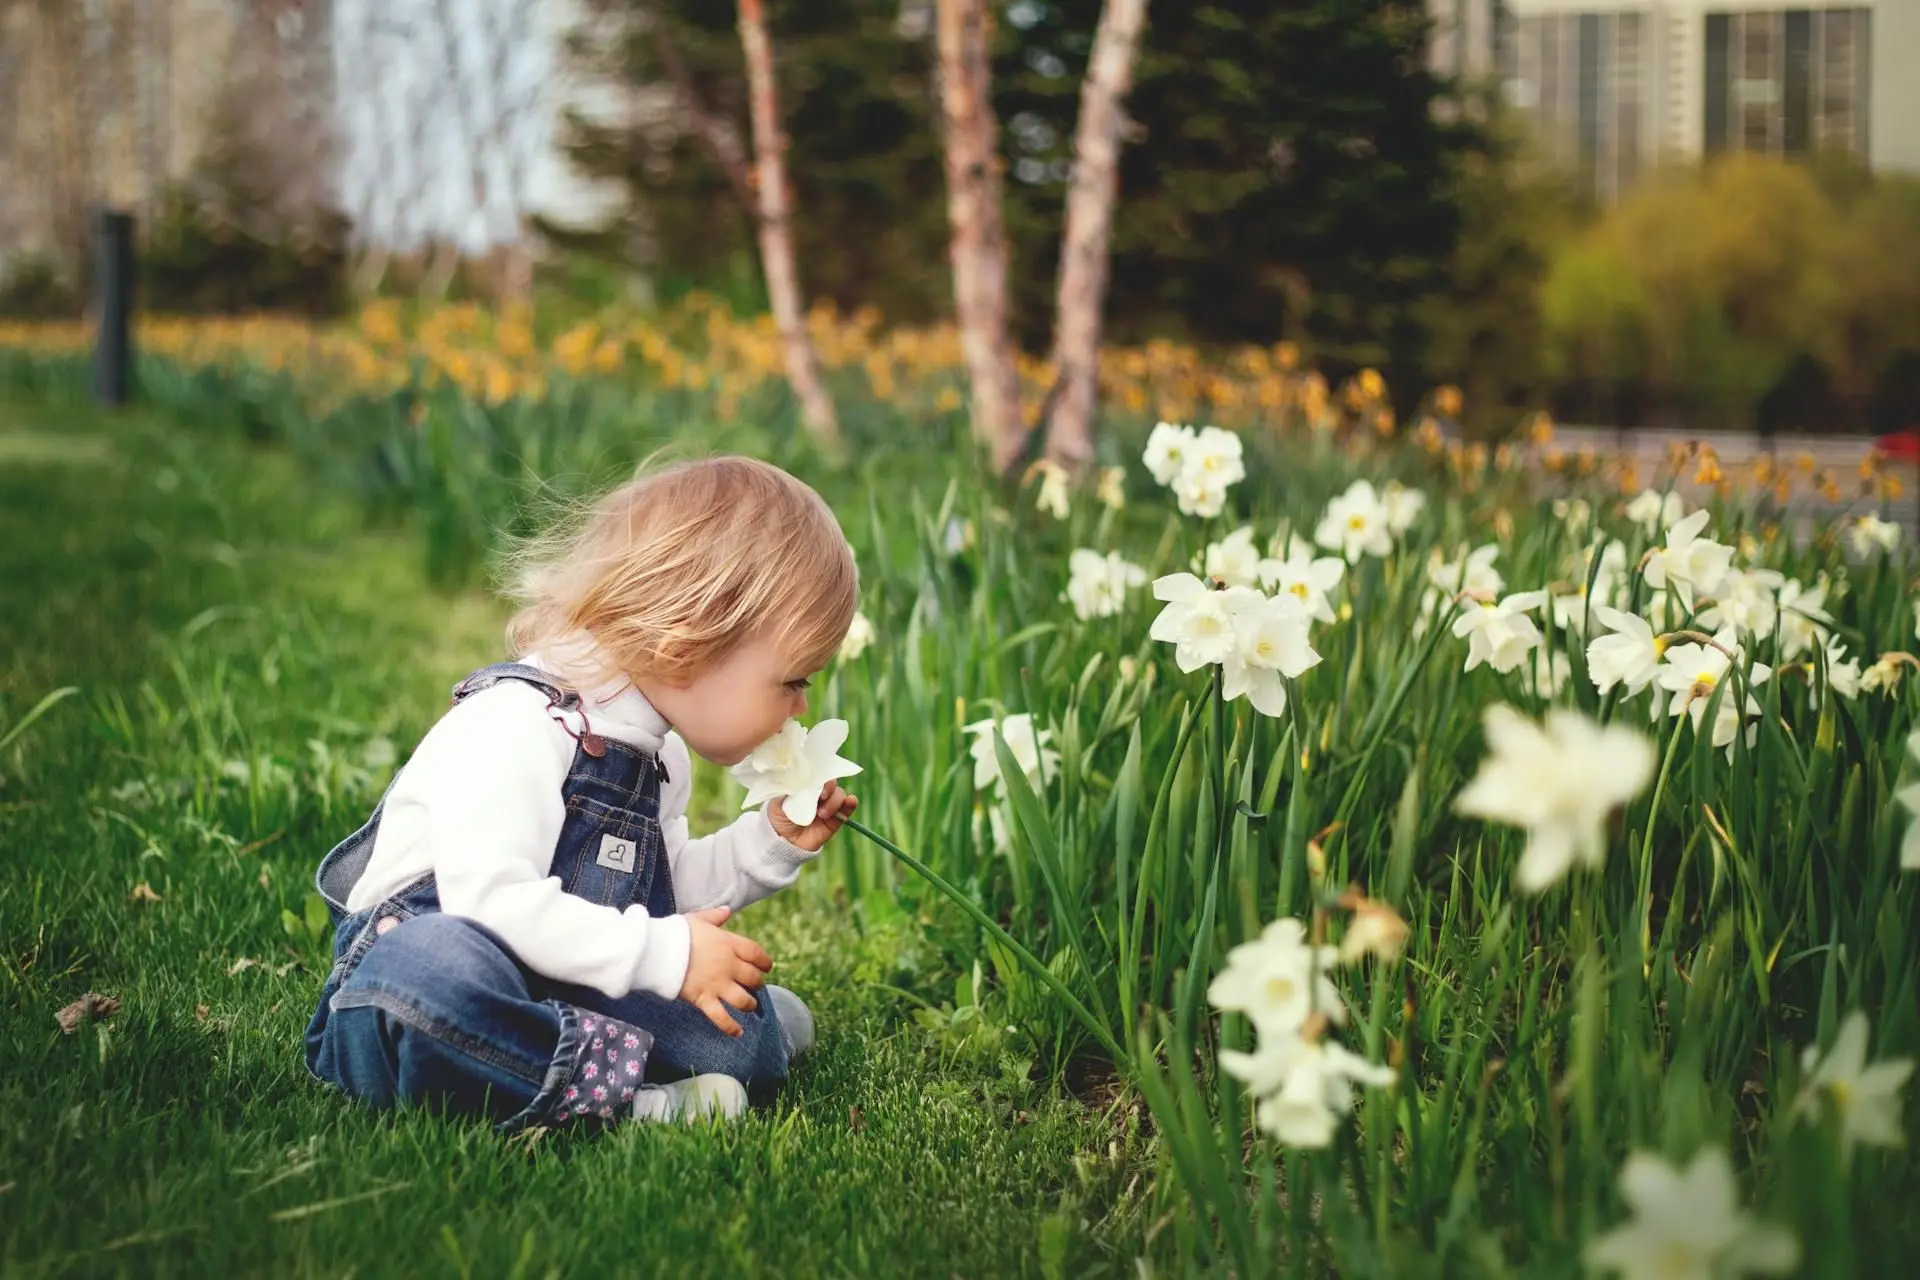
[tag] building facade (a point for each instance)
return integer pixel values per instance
(1615, 86)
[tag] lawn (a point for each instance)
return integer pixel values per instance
(249, 659)
(1307, 846)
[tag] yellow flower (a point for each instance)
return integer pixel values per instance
(574, 348)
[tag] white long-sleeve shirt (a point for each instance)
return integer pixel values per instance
(479, 804)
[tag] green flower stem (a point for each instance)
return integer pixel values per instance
(1094, 1025)
(1645, 903)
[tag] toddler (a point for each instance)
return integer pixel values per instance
(524, 928)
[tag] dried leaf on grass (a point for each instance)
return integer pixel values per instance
(91, 1007)
(143, 892)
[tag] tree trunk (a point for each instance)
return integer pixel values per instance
(979, 244)
(715, 131)
(776, 240)
(1083, 250)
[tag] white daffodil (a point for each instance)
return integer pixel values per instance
(1908, 797)
(1575, 513)
(1867, 1099)
(1199, 495)
(1216, 455)
(1271, 642)
(859, 636)
(1234, 559)
(794, 767)
(1803, 615)
(1629, 656)
(1883, 677)
(1471, 572)
(1403, 506)
(1687, 1224)
(1168, 449)
(1305, 577)
(1843, 674)
(1375, 929)
(1869, 533)
(1500, 635)
(1693, 671)
(1028, 748)
(1276, 980)
(1309, 1087)
(1654, 511)
(1558, 780)
(1551, 672)
(1916, 619)
(1570, 610)
(1746, 602)
(1053, 497)
(1097, 585)
(1355, 524)
(1112, 488)
(1197, 622)
(1689, 564)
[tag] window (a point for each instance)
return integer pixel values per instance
(1840, 92)
(1719, 47)
(1632, 87)
(1786, 81)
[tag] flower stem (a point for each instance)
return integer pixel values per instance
(1099, 1029)
(1645, 903)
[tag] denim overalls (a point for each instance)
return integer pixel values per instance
(425, 1007)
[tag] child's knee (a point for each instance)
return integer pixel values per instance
(436, 955)
(435, 1011)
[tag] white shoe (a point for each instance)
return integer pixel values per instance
(691, 1100)
(796, 1020)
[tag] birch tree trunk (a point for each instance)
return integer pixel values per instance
(979, 243)
(714, 130)
(1084, 247)
(776, 240)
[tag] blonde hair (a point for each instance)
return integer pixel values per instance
(672, 570)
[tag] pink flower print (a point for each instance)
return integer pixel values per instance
(587, 1025)
(591, 1070)
(599, 1093)
(572, 1093)
(598, 1044)
(631, 1041)
(633, 1067)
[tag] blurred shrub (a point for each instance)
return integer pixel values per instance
(249, 228)
(1752, 283)
(195, 260)
(32, 287)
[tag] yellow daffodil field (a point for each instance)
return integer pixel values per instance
(1446, 856)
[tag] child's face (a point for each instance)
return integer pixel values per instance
(738, 703)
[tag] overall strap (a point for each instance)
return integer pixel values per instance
(559, 699)
(486, 677)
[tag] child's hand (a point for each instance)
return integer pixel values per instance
(721, 968)
(836, 806)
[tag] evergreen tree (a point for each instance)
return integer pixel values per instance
(1288, 175)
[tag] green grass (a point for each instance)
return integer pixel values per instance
(246, 651)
